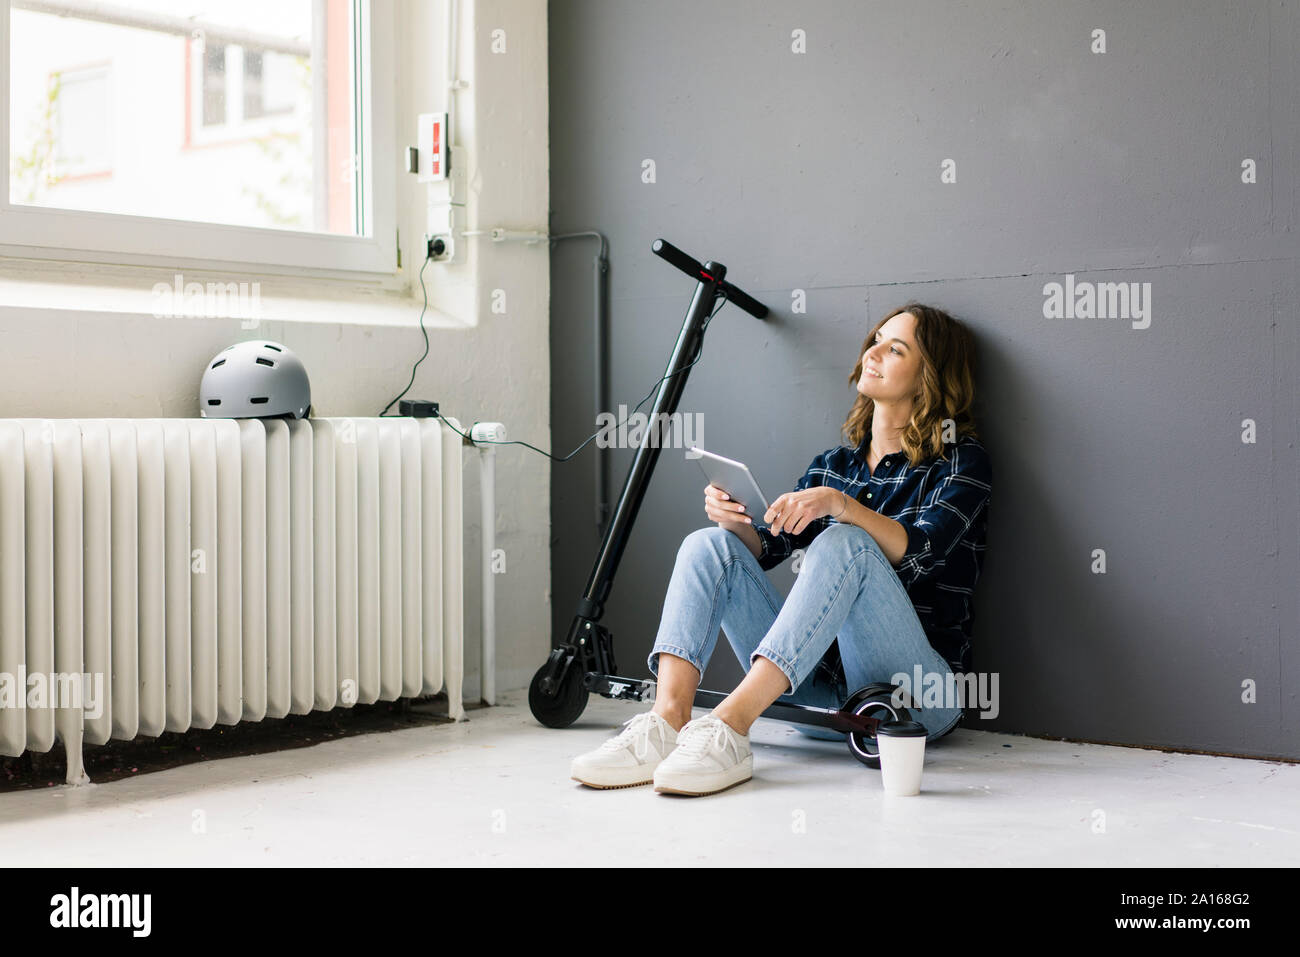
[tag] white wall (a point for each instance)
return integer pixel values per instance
(79, 353)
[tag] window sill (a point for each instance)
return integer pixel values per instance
(86, 289)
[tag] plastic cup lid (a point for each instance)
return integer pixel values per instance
(902, 729)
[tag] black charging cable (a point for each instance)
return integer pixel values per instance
(424, 332)
(431, 408)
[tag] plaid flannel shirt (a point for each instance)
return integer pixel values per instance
(943, 504)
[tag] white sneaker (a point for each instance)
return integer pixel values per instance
(630, 757)
(710, 757)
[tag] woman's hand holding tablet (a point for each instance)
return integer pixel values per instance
(720, 508)
(733, 479)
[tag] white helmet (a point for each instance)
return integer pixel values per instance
(254, 380)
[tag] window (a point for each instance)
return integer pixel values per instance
(268, 83)
(240, 85)
(214, 84)
(132, 125)
(83, 129)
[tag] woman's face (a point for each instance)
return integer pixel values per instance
(895, 358)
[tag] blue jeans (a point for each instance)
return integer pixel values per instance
(846, 588)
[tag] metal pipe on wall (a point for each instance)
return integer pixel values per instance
(488, 671)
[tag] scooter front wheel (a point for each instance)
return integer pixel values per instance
(566, 706)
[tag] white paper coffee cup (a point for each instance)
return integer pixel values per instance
(902, 754)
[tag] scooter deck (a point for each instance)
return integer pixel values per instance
(637, 689)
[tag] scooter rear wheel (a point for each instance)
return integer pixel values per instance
(875, 705)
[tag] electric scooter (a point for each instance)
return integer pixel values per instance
(584, 663)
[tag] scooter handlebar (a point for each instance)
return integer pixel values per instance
(670, 253)
(745, 301)
(667, 251)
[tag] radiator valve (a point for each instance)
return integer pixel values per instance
(488, 432)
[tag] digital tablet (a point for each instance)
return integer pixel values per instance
(735, 479)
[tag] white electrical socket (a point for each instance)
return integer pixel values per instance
(443, 248)
(445, 212)
(445, 223)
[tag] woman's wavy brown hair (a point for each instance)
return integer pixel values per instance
(947, 385)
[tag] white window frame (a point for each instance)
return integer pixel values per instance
(31, 232)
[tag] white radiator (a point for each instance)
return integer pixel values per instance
(211, 571)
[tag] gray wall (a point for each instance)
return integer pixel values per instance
(821, 171)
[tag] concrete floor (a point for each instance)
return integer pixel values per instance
(496, 790)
